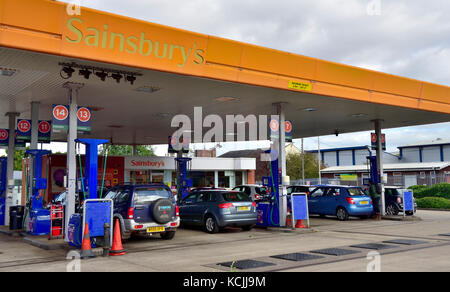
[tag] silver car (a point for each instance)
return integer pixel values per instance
(215, 209)
(256, 192)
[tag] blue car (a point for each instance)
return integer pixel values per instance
(340, 201)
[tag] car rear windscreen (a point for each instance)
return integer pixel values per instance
(261, 190)
(149, 194)
(356, 192)
(236, 197)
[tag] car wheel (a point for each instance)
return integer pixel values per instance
(391, 210)
(168, 235)
(342, 214)
(211, 225)
(247, 227)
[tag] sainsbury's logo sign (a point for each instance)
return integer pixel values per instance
(148, 163)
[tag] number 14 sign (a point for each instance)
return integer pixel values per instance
(60, 118)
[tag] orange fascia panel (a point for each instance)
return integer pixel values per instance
(397, 85)
(338, 74)
(435, 93)
(222, 51)
(434, 106)
(340, 91)
(32, 14)
(277, 62)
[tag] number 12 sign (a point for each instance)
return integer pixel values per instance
(60, 118)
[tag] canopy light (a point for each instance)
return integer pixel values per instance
(7, 72)
(117, 77)
(309, 109)
(226, 99)
(102, 73)
(66, 72)
(131, 79)
(86, 73)
(148, 89)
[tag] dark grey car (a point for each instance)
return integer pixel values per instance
(215, 209)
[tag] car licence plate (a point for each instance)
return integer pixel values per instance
(243, 208)
(364, 202)
(156, 229)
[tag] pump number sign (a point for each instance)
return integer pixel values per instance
(60, 120)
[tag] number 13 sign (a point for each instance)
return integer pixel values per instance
(60, 118)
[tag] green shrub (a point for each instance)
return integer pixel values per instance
(433, 202)
(441, 190)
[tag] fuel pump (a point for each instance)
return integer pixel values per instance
(373, 170)
(39, 218)
(3, 179)
(97, 214)
(268, 212)
(183, 182)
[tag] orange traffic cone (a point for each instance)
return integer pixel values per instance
(117, 248)
(288, 220)
(86, 251)
(299, 224)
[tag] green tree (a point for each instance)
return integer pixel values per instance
(18, 158)
(127, 150)
(294, 166)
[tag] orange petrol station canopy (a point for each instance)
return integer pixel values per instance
(44, 26)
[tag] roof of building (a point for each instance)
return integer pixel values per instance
(437, 142)
(389, 167)
(340, 149)
(251, 153)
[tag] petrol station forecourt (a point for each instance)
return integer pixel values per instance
(175, 72)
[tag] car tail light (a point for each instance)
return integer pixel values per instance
(177, 211)
(130, 213)
(257, 197)
(173, 224)
(254, 204)
(351, 201)
(226, 205)
(138, 226)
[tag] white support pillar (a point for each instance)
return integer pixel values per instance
(10, 164)
(34, 124)
(72, 94)
(216, 179)
(133, 172)
(280, 107)
(319, 158)
(380, 164)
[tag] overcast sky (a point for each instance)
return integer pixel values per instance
(404, 37)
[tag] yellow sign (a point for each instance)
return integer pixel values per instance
(303, 86)
(349, 177)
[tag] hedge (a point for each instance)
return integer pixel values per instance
(433, 203)
(441, 190)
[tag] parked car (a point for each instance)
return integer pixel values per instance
(256, 192)
(215, 209)
(394, 201)
(61, 199)
(299, 189)
(145, 209)
(340, 201)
